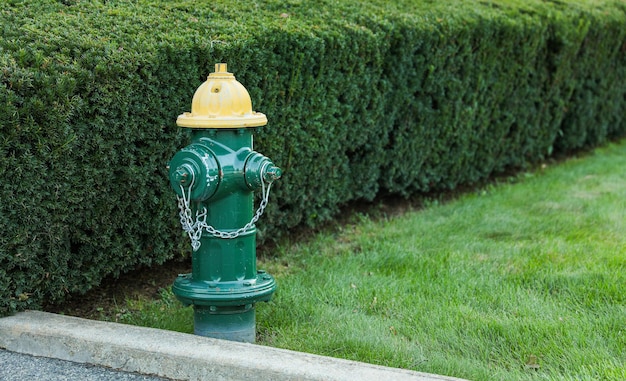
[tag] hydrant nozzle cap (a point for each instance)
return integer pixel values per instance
(221, 102)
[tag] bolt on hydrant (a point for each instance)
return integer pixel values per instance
(214, 178)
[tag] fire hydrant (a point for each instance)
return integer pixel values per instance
(214, 178)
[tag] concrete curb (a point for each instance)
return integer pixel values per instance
(176, 355)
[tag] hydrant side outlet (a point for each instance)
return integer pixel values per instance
(214, 178)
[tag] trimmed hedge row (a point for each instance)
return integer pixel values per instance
(362, 98)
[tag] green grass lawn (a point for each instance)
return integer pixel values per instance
(523, 280)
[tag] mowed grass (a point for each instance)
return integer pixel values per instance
(522, 280)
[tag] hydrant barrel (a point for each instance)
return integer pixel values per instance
(214, 178)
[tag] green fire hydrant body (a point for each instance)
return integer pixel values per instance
(214, 178)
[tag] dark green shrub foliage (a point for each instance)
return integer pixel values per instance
(362, 98)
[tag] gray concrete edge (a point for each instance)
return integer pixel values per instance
(177, 355)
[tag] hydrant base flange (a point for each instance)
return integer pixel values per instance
(207, 293)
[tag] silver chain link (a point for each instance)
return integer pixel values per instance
(194, 228)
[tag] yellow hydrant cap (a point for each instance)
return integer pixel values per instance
(221, 102)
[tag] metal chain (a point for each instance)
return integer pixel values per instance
(194, 228)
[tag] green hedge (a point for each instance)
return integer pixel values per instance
(362, 98)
